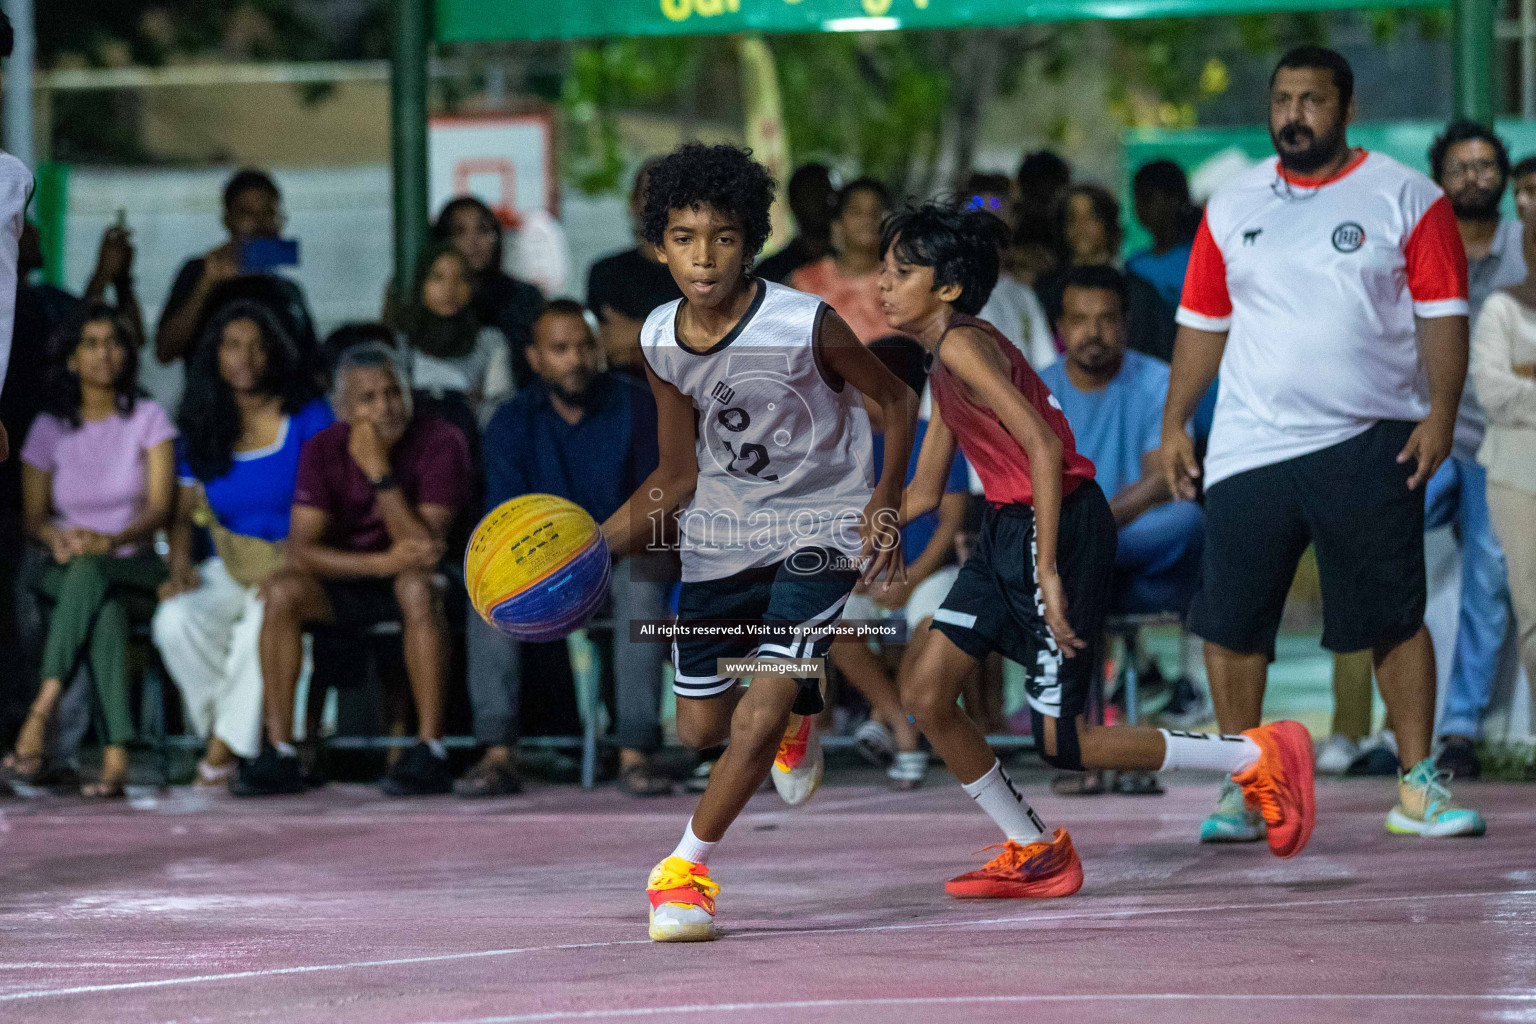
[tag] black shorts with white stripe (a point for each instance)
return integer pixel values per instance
(798, 600)
(995, 603)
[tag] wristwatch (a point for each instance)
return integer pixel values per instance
(383, 483)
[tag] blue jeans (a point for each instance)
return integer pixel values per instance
(1458, 494)
(1157, 565)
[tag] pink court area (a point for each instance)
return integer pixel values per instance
(343, 907)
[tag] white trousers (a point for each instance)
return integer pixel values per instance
(210, 640)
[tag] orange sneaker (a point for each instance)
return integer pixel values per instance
(1038, 871)
(682, 899)
(798, 767)
(1279, 784)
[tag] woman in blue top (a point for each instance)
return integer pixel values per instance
(249, 408)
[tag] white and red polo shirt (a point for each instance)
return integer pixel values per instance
(1317, 283)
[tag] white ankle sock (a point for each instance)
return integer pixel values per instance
(1004, 804)
(1230, 754)
(693, 849)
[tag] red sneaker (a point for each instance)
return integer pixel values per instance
(1279, 784)
(1038, 871)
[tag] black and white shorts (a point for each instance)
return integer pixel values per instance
(799, 599)
(996, 605)
(1352, 503)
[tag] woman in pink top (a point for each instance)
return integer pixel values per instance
(850, 281)
(98, 475)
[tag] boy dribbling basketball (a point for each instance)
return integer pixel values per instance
(759, 391)
(1036, 586)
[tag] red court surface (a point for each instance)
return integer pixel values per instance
(344, 908)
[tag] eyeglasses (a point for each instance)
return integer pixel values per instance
(1473, 169)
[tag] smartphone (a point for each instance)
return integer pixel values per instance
(261, 255)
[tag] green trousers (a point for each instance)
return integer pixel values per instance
(93, 596)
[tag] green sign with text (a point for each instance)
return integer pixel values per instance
(488, 20)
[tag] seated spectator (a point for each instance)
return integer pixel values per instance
(1013, 307)
(811, 196)
(889, 736)
(588, 436)
(623, 288)
(98, 479)
(247, 411)
(454, 358)
(1113, 399)
(501, 300)
(1161, 193)
(375, 497)
(41, 309)
(252, 213)
(850, 279)
(1089, 219)
(1504, 374)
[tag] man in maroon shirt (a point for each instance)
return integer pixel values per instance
(376, 495)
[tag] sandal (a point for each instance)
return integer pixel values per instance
(641, 780)
(209, 777)
(105, 789)
(486, 780)
(1090, 783)
(26, 767)
(23, 768)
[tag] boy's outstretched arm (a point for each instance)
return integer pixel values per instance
(846, 357)
(641, 520)
(974, 357)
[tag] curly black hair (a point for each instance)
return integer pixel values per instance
(209, 419)
(1466, 131)
(959, 243)
(725, 178)
(60, 391)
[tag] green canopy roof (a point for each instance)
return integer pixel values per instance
(488, 20)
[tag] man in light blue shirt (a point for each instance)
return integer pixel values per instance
(1113, 398)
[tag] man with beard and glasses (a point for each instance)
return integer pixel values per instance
(589, 436)
(1310, 277)
(1471, 164)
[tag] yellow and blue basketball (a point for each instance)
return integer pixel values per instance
(537, 567)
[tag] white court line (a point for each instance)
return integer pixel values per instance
(822, 1004)
(274, 972)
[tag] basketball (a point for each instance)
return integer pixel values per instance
(537, 567)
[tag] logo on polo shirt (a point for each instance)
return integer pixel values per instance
(1348, 237)
(1249, 237)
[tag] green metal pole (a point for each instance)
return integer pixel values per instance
(1472, 43)
(408, 134)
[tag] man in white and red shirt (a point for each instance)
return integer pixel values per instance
(1310, 277)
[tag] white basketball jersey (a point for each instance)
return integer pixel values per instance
(785, 456)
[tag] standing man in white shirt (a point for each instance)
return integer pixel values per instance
(15, 192)
(1470, 162)
(1309, 279)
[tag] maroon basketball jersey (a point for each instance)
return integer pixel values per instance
(999, 459)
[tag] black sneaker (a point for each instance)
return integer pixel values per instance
(270, 774)
(419, 773)
(1459, 757)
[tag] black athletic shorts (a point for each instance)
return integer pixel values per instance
(995, 603)
(806, 590)
(358, 604)
(1352, 503)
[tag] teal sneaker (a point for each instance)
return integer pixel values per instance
(1424, 806)
(1233, 820)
